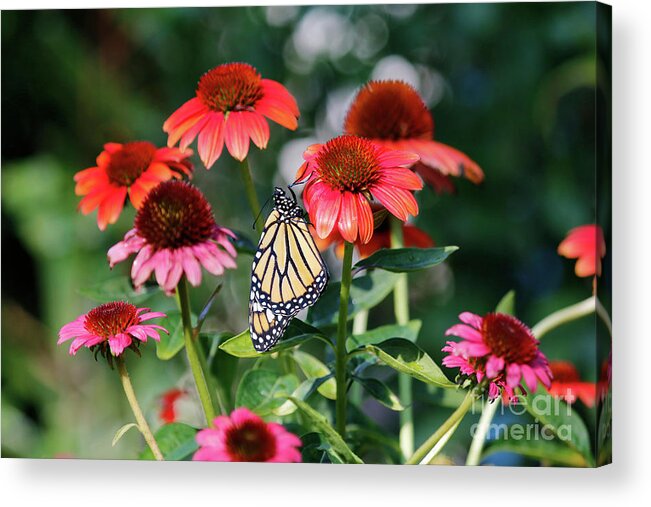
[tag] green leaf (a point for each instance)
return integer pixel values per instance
(243, 244)
(312, 368)
(264, 391)
(206, 308)
(365, 292)
(379, 334)
(120, 433)
(320, 424)
(316, 449)
(409, 358)
(561, 419)
(297, 333)
(507, 304)
(381, 392)
(403, 260)
(170, 345)
(117, 289)
(176, 441)
(539, 449)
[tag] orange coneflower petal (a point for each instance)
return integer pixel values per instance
(257, 128)
(365, 219)
(183, 119)
(347, 222)
(192, 132)
(395, 158)
(211, 140)
(327, 212)
(89, 179)
(399, 202)
(274, 90)
(111, 207)
(277, 111)
(236, 135)
(400, 177)
(94, 198)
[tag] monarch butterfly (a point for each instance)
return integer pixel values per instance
(288, 272)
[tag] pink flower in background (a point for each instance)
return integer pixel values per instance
(344, 173)
(114, 325)
(585, 243)
(231, 106)
(132, 168)
(168, 401)
(499, 348)
(175, 234)
(393, 114)
(244, 436)
(567, 384)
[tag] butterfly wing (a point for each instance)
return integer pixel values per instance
(288, 271)
(265, 326)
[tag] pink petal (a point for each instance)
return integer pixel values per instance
(257, 128)
(347, 222)
(118, 343)
(327, 211)
(471, 319)
(211, 140)
(397, 201)
(236, 135)
(191, 266)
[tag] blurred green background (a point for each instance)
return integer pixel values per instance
(512, 85)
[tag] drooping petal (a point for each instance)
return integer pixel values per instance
(257, 128)
(211, 140)
(397, 201)
(236, 135)
(327, 212)
(365, 219)
(347, 222)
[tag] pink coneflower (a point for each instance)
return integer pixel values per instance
(344, 173)
(231, 106)
(393, 114)
(244, 436)
(175, 234)
(111, 326)
(132, 168)
(586, 244)
(567, 384)
(500, 349)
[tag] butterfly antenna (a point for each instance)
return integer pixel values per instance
(292, 192)
(261, 210)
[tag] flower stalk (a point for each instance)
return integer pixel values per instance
(340, 350)
(453, 420)
(194, 357)
(560, 317)
(135, 407)
(401, 310)
(479, 438)
(251, 195)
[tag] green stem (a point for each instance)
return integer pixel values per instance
(560, 317)
(137, 412)
(441, 432)
(479, 438)
(360, 324)
(197, 365)
(340, 350)
(401, 310)
(251, 195)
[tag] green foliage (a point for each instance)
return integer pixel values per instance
(539, 449)
(379, 334)
(117, 289)
(507, 304)
(381, 392)
(264, 391)
(404, 260)
(170, 344)
(312, 368)
(176, 441)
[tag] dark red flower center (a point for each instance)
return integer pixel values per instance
(110, 319)
(564, 371)
(509, 338)
(250, 441)
(348, 163)
(230, 87)
(175, 214)
(389, 110)
(126, 165)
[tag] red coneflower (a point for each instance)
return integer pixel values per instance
(393, 113)
(567, 384)
(585, 243)
(499, 348)
(134, 168)
(111, 327)
(244, 436)
(344, 173)
(174, 234)
(231, 103)
(168, 400)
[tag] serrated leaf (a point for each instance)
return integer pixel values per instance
(562, 420)
(381, 392)
(175, 440)
(365, 292)
(404, 260)
(264, 391)
(117, 289)
(409, 358)
(321, 425)
(120, 433)
(539, 449)
(379, 334)
(313, 368)
(507, 304)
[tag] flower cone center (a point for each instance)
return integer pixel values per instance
(348, 163)
(230, 87)
(110, 319)
(175, 214)
(390, 110)
(509, 338)
(126, 165)
(250, 441)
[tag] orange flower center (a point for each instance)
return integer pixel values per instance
(126, 165)
(389, 110)
(230, 87)
(348, 163)
(563, 371)
(110, 319)
(175, 214)
(250, 441)
(509, 338)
